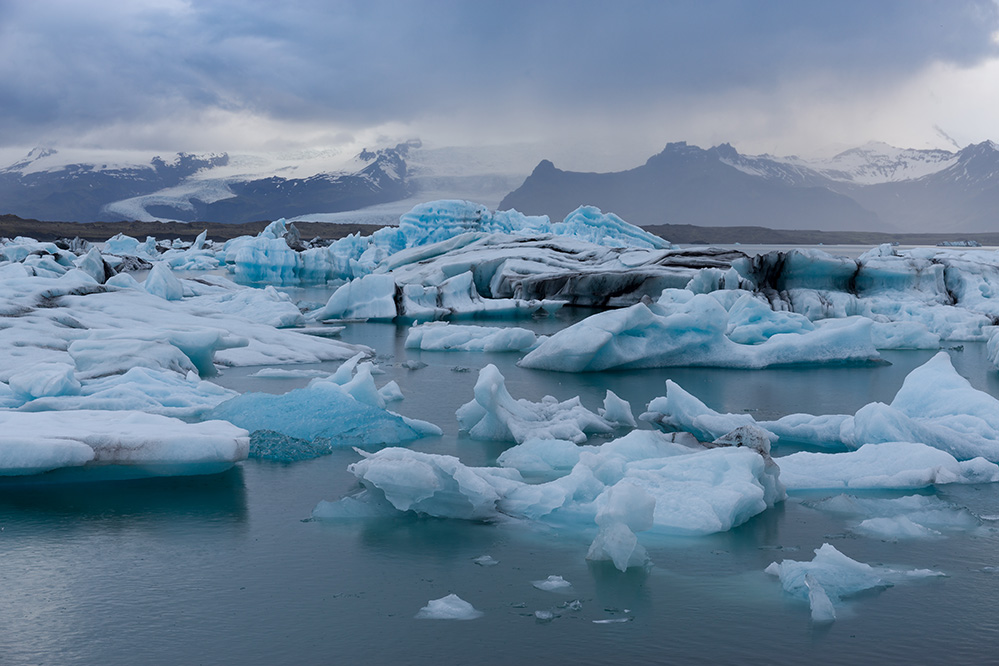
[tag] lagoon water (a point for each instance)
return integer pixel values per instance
(230, 569)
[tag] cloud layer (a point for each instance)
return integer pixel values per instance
(192, 73)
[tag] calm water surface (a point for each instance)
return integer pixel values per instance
(230, 570)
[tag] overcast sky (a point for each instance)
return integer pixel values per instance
(619, 78)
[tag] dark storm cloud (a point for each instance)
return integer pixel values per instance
(76, 65)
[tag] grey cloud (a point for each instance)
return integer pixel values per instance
(75, 65)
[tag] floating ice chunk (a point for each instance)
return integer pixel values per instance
(92, 263)
(885, 465)
(362, 506)
(911, 517)
(441, 336)
(123, 281)
(837, 576)
(486, 561)
(391, 392)
(369, 297)
(692, 335)
(163, 283)
(617, 411)
(894, 528)
(435, 485)
(818, 600)
(322, 413)
(144, 444)
(495, 415)
(284, 373)
(693, 490)
(935, 406)
(551, 583)
(451, 607)
(627, 508)
(679, 410)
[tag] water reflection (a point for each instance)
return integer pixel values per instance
(197, 499)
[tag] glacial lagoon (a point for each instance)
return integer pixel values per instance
(231, 568)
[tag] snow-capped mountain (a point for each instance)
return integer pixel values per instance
(875, 187)
(185, 187)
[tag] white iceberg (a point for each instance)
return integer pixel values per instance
(122, 444)
(451, 607)
(694, 490)
(495, 415)
(900, 465)
(442, 336)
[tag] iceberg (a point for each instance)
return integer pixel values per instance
(897, 465)
(343, 410)
(552, 583)
(831, 575)
(692, 334)
(937, 292)
(442, 336)
(495, 415)
(935, 406)
(122, 444)
(643, 482)
(451, 607)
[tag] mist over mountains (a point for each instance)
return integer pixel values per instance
(875, 187)
(872, 188)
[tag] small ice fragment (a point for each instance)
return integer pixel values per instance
(573, 605)
(486, 561)
(551, 583)
(451, 607)
(413, 365)
(821, 605)
(544, 615)
(615, 620)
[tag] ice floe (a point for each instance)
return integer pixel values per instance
(442, 336)
(832, 576)
(122, 444)
(693, 333)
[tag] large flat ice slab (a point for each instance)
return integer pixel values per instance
(692, 334)
(139, 444)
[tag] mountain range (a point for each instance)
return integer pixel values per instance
(876, 187)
